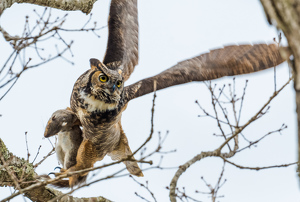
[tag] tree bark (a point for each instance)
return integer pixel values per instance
(26, 176)
(68, 5)
(285, 15)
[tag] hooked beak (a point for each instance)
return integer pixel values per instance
(114, 88)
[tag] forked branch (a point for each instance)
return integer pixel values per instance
(218, 152)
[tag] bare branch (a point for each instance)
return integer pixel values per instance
(217, 152)
(44, 158)
(20, 167)
(259, 168)
(146, 187)
(240, 129)
(266, 135)
(213, 191)
(28, 154)
(46, 28)
(152, 125)
(68, 5)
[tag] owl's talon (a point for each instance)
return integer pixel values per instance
(55, 174)
(51, 173)
(57, 168)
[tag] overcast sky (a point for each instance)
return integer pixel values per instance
(170, 31)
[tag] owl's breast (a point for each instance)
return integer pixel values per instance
(92, 104)
(104, 136)
(100, 127)
(99, 120)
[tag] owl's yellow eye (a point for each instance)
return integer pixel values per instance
(119, 83)
(103, 78)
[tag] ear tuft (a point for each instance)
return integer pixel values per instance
(95, 63)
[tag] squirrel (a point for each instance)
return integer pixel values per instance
(65, 124)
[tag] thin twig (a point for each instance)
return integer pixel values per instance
(28, 154)
(152, 120)
(146, 187)
(36, 154)
(266, 135)
(44, 158)
(259, 168)
(217, 152)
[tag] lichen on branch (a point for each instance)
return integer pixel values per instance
(18, 173)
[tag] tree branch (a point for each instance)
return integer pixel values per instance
(285, 16)
(68, 5)
(258, 168)
(25, 174)
(217, 152)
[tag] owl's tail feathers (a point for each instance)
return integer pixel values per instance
(65, 183)
(133, 168)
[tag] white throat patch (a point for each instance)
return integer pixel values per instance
(94, 104)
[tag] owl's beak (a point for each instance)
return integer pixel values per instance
(114, 88)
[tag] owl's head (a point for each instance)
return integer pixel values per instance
(99, 88)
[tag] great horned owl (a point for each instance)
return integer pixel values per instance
(98, 101)
(99, 96)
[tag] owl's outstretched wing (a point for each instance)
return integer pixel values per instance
(227, 61)
(122, 45)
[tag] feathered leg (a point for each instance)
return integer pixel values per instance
(122, 151)
(86, 157)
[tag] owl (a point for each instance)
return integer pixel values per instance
(100, 95)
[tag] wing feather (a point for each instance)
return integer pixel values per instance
(227, 61)
(122, 45)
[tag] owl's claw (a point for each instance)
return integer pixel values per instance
(51, 173)
(55, 174)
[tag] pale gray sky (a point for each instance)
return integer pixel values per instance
(170, 31)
